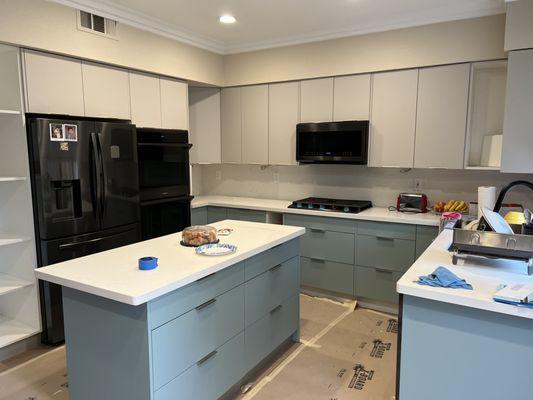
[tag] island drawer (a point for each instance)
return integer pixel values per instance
(385, 252)
(327, 275)
(271, 288)
(387, 230)
(270, 258)
(376, 284)
(183, 341)
(246, 215)
(265, 335)
(321, 223)
(327, 245)
(178, 302)
(211, 376)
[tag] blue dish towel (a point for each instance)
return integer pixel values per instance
(443, 277)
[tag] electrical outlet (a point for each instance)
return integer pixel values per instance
(276, 177)
(218, 175)
(418, 184)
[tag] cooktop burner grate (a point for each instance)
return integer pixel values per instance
(322, 204)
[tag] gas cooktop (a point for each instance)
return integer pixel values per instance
(320, 204)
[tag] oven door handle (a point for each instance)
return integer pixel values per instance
(167, 200)
(180, 145)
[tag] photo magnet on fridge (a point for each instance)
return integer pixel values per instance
(71, 132)
(56, 133)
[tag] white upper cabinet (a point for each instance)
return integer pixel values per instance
(53, 84)
(231, 125)
(351, 100)
(174, 104)
(9, 79)
(316, 100)
(145, 96)
(393, 119)
(441, 116)
(204, 125)
(254, 113)
(106, 91)
(517, 152)
(283, 108)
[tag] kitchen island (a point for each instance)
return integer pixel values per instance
(192, 328)
(458, 343)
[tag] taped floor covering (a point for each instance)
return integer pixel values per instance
(345, 353)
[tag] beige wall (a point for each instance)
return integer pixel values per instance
(449, 42)
(519, 26)
(48, 26)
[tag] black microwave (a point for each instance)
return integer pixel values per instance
(343, 142)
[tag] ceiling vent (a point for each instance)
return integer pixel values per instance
(96, 24)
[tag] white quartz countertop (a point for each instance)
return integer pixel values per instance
(114, 274)
(485, 277)
(379, 214)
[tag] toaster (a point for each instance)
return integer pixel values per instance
(412, 202)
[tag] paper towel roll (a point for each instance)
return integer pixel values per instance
(486, 197)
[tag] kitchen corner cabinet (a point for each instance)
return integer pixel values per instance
(351, 98)
(393, 119)
(53, 84)
(283, 115)
(316, 100)
(441, 116)
(174, 104)
(145, 100)
(204, 125)
(231, 125)
(254, 114)
(517, 148)
(106, 91)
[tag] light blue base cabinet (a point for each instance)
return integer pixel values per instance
(212, 214)
(194, 343)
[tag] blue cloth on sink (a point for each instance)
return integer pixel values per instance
(443, 277)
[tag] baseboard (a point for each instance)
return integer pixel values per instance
(20, 347)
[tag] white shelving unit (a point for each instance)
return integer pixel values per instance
(19, 295)
(486, 108)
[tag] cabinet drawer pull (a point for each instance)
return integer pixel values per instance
(317, 230)
(385, 238)
(206, 304)
(275, 309)
(275, 268)
(205, 277)
(320, 260)
(386, 271)
(206, 358)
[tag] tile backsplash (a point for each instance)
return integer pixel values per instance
(380, 185)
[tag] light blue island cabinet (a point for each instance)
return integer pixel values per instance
(195, 342)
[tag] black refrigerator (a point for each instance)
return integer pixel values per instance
(85, 190)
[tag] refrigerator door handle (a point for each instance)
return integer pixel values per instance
(74, 244)
(97, 172)
(102, 177)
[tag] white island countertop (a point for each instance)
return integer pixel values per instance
(114, 274)
(485, 277)
(380, 214)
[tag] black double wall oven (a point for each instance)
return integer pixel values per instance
(164, 178)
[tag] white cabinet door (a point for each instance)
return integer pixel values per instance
(53, 84)
(204, 125)
(393, 119)
(351, 98)
(174, 104)
(231, 125)
(254, 105)
(441, 116)
(517, 152)
(106, 91)
(145, 96)
(316, 100)
(283, 107)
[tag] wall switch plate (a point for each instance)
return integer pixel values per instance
(418, 184)
(218, 175)
(275, 175)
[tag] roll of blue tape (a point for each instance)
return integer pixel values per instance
(147, 263)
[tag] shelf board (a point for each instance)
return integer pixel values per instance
(479, 168)
(12, 331)
(10, 112)
(9, 283)
(6, 240)
(12, 178)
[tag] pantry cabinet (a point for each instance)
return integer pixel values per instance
(174, 104)
(283, 109)
(53, 84)
(393, 119)
(145, 100)
(106, 91)
(231, 125)
(316, 100)
(254, 114)
(351, 98)
(441, 116)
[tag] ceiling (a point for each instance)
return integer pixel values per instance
(271, 23)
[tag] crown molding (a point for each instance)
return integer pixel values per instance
(141, 21)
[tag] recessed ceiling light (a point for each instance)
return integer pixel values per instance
(227, 19)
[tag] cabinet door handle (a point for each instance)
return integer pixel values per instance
(206, 358)
(206, 304)
(385, 238)
(276, 309)
(316, 230)
(321, 260)
(205, 277)
(275, 268)
(386, 271)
